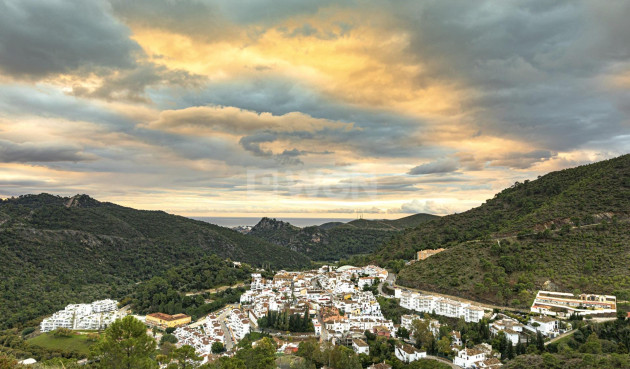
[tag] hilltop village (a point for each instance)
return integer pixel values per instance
(342, 306)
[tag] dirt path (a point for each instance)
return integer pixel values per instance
(215, 290)
(442, 360)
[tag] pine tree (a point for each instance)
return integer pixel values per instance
(125, 345)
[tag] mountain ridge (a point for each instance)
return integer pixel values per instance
(334, 240)
(59, 250)
(569, 228)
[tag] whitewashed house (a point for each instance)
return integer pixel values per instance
(407, 353)
(360, 347)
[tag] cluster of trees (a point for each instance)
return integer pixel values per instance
(284, 321)
(157, 295)
(317, 355)
(391, 309)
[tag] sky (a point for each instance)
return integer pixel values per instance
(307, 108)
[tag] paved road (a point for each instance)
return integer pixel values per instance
(229, 344)
(560, 337)
(391, 278)
(443, 360)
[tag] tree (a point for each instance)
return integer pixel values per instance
(342, 357)
(422, 333)
(444, 346)
(125, 345)
(186, 357)
(217, 347)
(592, 345)
(168, 338)
(540, 342)
(402, 332)
(260, 357)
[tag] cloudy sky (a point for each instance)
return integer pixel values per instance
(306, 107)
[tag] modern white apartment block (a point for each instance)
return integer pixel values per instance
(563, 304)
(94, 316)
(439, 306)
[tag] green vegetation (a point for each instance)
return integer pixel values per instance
(391, 309)
(509, 272)
(284, 322)
(157, 296)
(125, 344)
(334, 241)
(604, 346)
(13, 344)
(75, 342)
(260, 357)
(568, 227)
(57, 250)
(340, 357)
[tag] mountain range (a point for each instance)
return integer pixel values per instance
(57, 250)
(568, 230)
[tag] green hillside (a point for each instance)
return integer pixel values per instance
(333, 241)
(568, 227)
(56, 251)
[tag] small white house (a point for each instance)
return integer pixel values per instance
(546, 325)
(467, 358)
(360, 347)
(407, 353)
(317, 326)
(366, 281)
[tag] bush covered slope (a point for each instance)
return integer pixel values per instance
(568, 227)
(58, 250)
(333, 241)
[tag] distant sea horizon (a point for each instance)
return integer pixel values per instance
(252, 221)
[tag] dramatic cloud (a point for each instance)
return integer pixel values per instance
(40, 38)
(29, 152)
(440, 166)
(325, 107)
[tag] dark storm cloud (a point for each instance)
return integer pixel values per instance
(523, 160)
(40, 38)
(527, 70)
(29, 152)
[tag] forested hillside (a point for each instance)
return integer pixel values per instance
(568, 227)
(333, 241)
(56, 250)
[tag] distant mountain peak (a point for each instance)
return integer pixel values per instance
(82, 201)
(272, 224)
